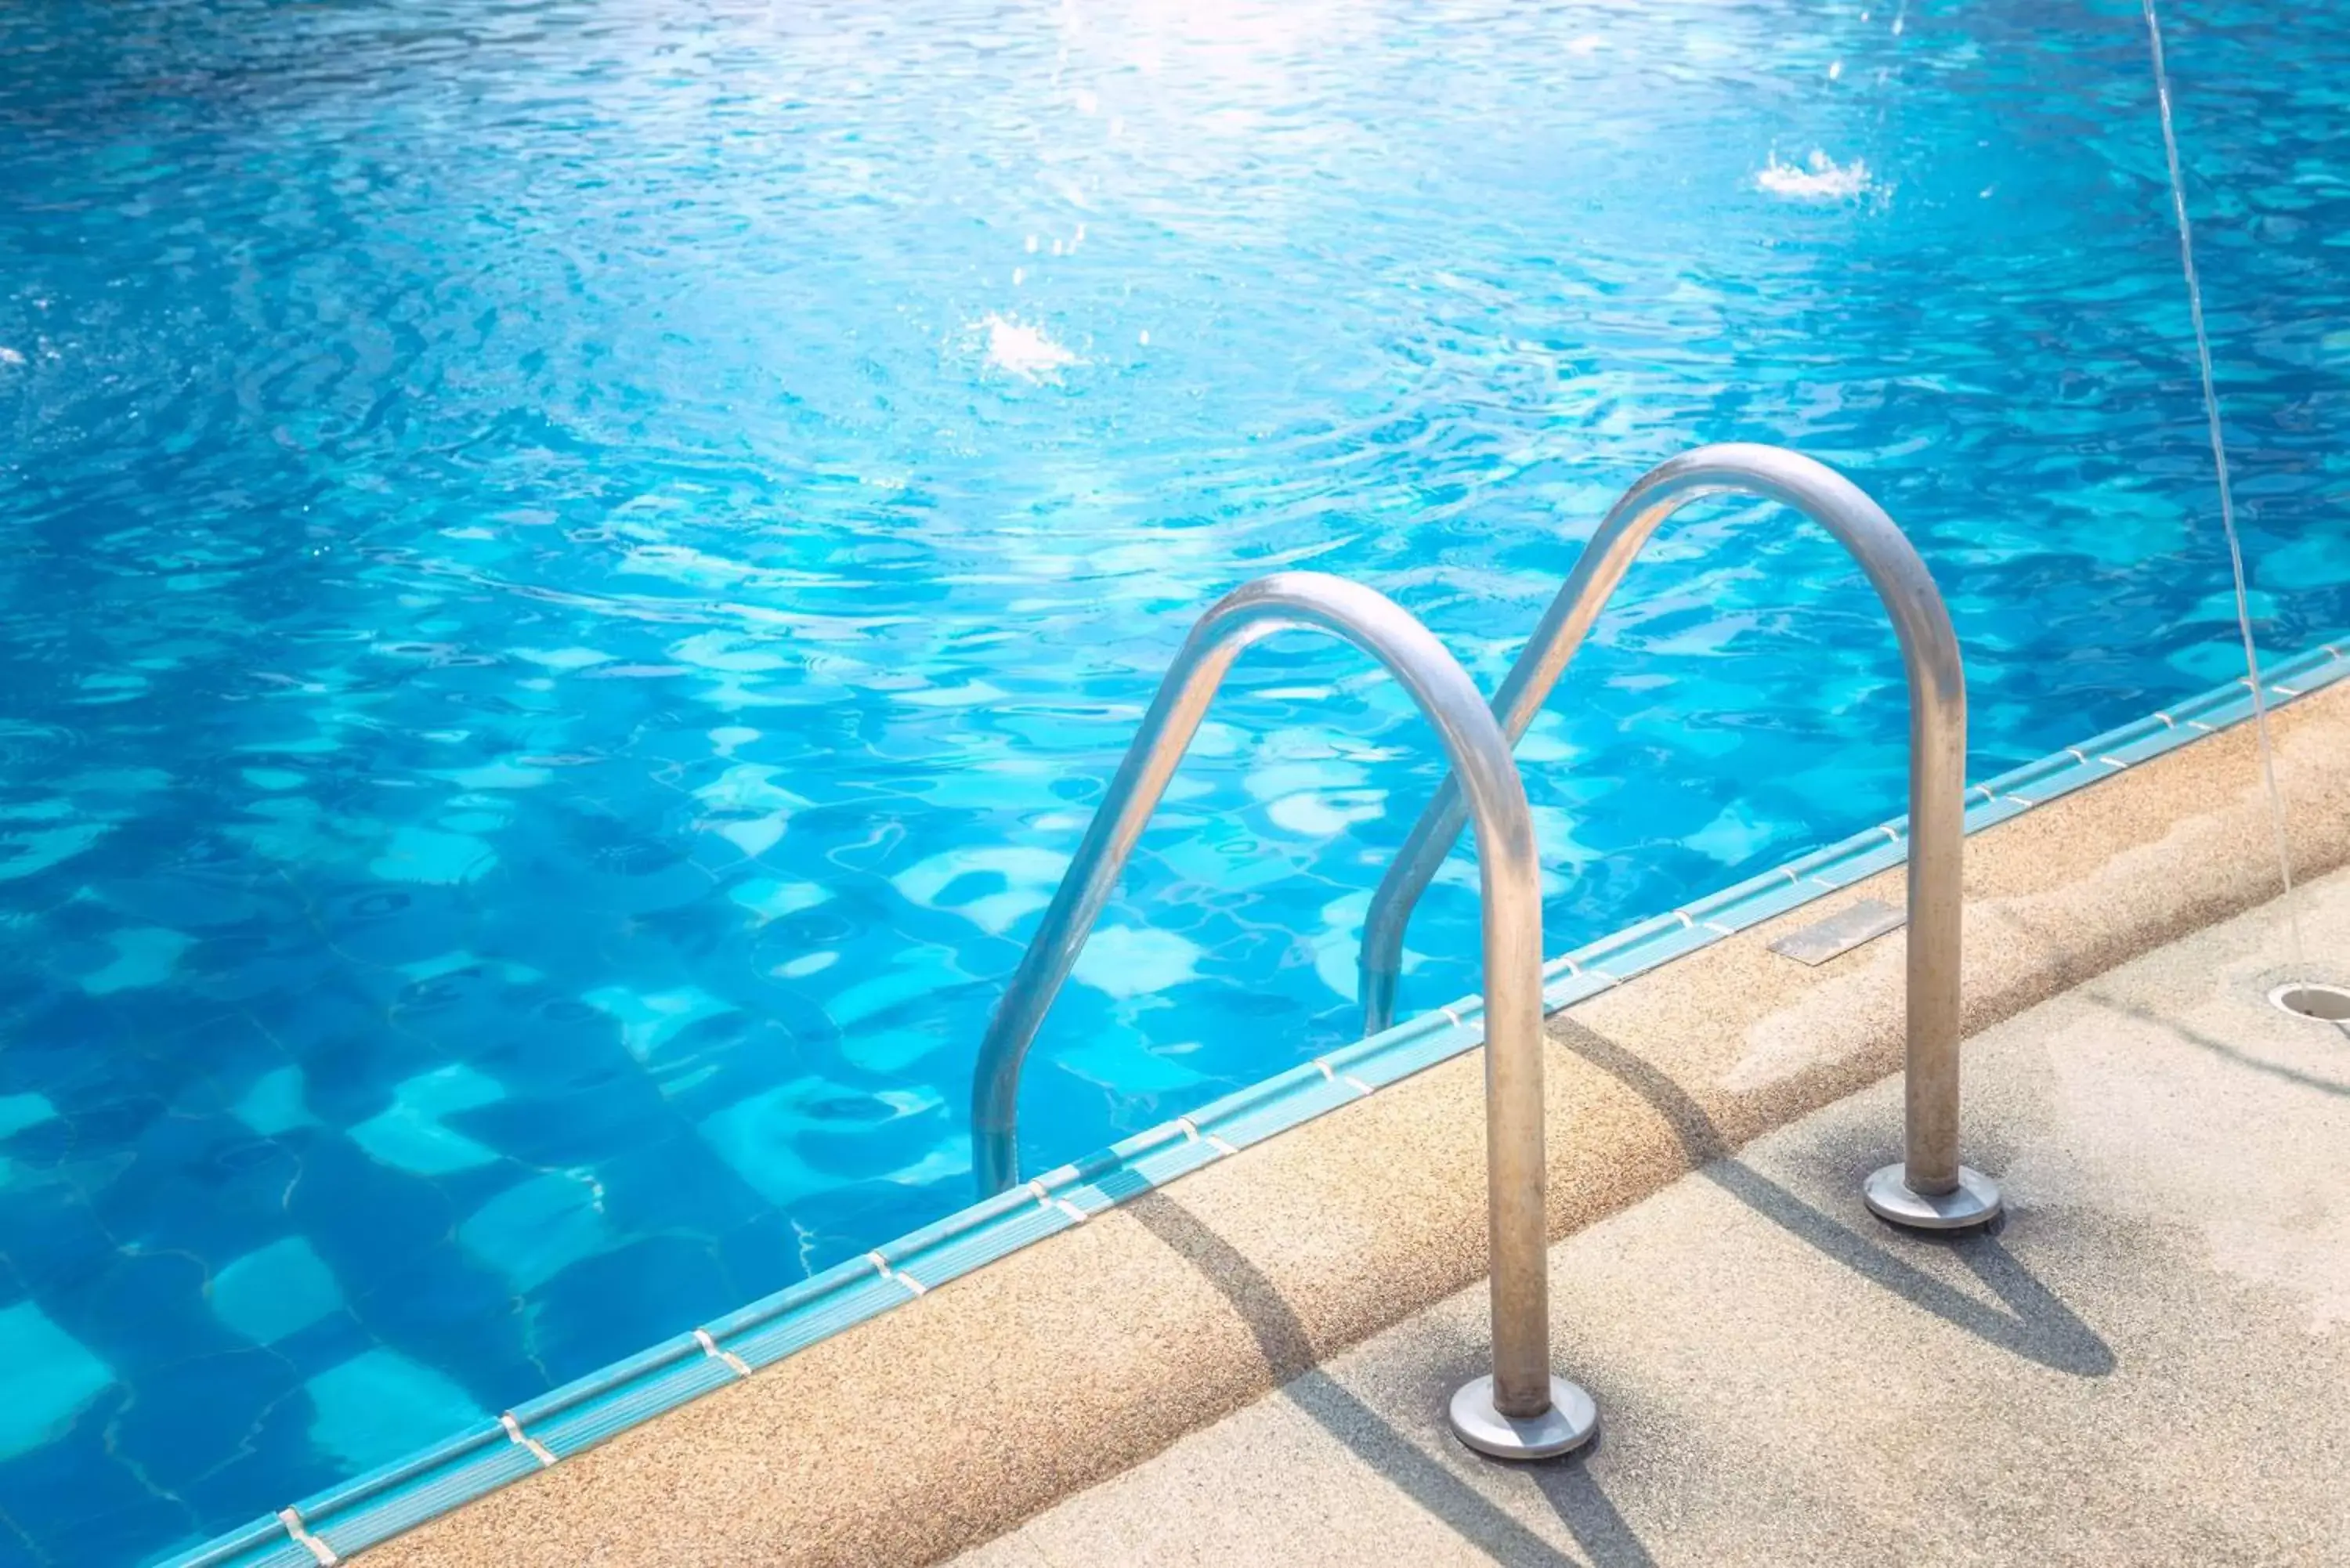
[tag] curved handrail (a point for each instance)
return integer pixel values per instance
(1945, 1193)
(1522, 1384)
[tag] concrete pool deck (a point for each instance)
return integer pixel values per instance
(2145, 1364)
(948, 1420)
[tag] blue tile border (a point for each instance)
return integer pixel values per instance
(347, 1519)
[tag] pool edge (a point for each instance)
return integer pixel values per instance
(367, 1510)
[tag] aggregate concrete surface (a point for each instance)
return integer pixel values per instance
(2147, 1361)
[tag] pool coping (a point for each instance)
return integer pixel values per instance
(370, 1509)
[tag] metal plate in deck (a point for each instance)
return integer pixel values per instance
(1840, 932)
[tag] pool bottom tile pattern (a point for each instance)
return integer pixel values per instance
(489, 1450)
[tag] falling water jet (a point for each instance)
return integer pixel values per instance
(2219, 462)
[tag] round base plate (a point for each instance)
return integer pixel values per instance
(1565, 1427)
(1976, 1202)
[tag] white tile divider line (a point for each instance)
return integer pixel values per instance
(882, 1266)
(292, 1520)
(1349, 1079)
(1049, 1202)
(538, 1449)
(1191, 1134)
(718, 1351)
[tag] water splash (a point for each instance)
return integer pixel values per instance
(2220, 464)
(1818, 178)
(1019, 349)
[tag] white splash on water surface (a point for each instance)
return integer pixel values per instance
(1020, 349)
(1819, 178)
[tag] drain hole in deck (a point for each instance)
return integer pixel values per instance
(2330, 1003)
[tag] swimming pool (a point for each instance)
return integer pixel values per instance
(574, 569)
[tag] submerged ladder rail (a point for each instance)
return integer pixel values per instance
(1930, 1190)
(1521, 1410)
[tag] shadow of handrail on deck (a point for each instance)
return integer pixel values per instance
(1597, 1528)
(2042, 1327)
(2222, 1048)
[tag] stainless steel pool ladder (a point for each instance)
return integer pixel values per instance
(1930, 1190)
(1521, 1410)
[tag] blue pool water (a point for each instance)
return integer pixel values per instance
(572, 571)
